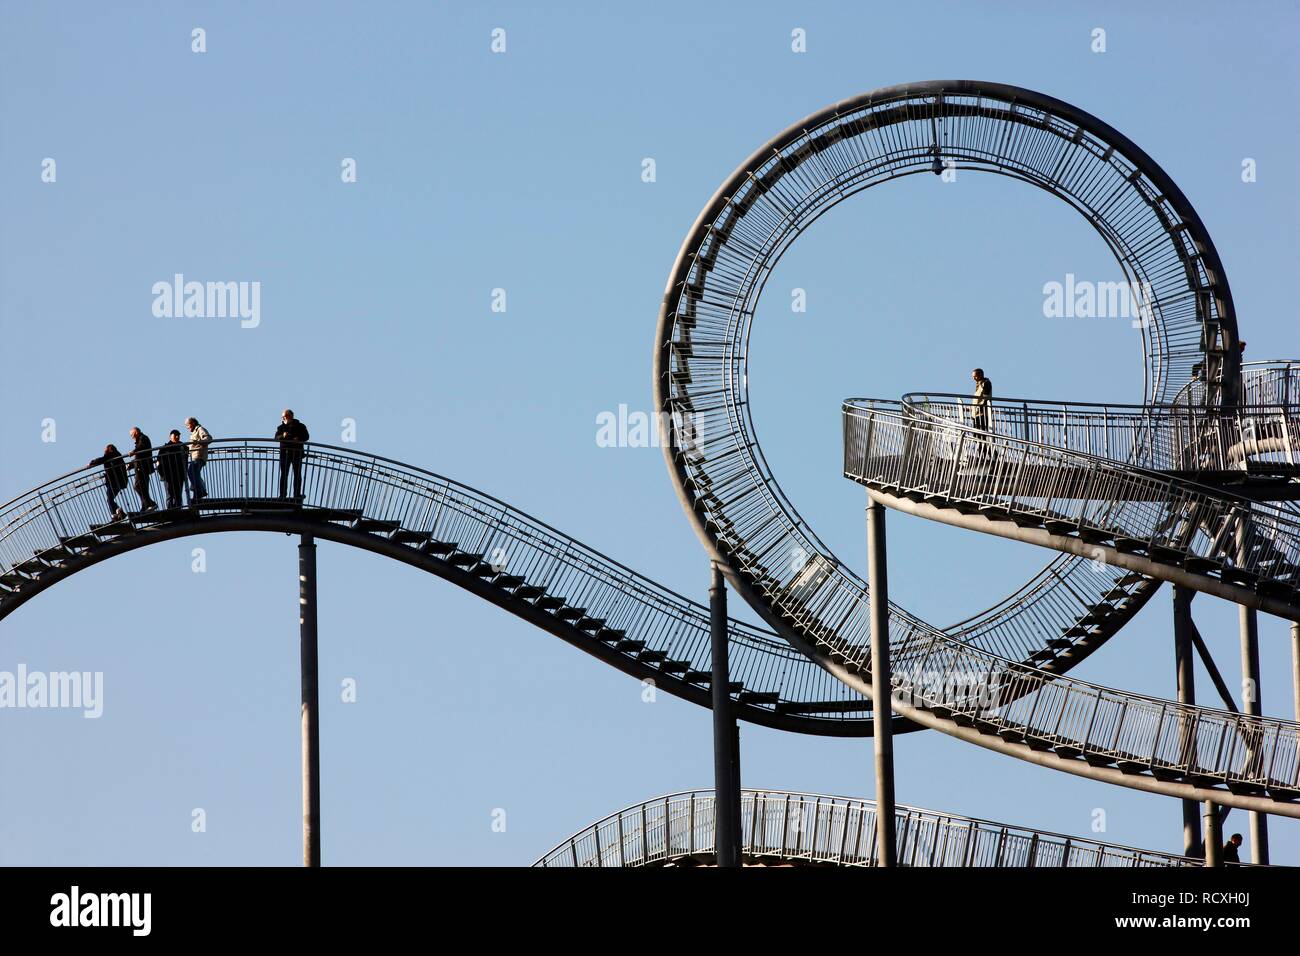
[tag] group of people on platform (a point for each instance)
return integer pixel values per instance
(181, 462)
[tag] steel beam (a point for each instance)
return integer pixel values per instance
(1213, 835)
(1237, 594)
(1186, 675)
(883, 740)
(726, 740)
(1250, 704)
(1295, 671)
(310, 714)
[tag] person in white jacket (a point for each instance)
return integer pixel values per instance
(199, 438)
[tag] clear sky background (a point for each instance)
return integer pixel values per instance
(522, 171)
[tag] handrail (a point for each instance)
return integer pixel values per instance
(885, 447)
(1209, 503)
(1178, 438)
(680, 826)
(241, 473)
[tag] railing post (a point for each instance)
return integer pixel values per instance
(726, 769)
(310, 701)
(881, 705)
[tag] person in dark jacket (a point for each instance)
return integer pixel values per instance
(1230, 854)
(172, 458)
(114, 478)
(291, 435)
(142, 463)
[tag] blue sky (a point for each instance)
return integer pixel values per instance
(522, 171)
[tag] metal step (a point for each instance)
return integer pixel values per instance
(407, 536)
(373, 525)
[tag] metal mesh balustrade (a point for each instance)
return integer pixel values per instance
(891, 445)
(1260, 438)
(780, 827)
(702, 359)
(888, 449)
(62, 520)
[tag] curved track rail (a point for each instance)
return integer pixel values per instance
(781, 828)
(996, 679)
(454, 532)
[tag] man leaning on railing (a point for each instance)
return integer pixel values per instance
(292, 435)
(199, 438)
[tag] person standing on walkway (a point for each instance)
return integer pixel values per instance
(291, 434)
(1231, 848)
(114, 478)
(142, 464)
(981, 404)
(199, 438)
(171, 467)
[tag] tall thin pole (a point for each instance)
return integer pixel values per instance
(726, 761)
(1213, 835)
(310, 702)
(1186, 696)
(881, 709)
(1251, 705)
(1295, 671)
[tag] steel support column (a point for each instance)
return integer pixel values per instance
(310, 701)
(726, 736)
(881, 709)
(1250, 704)
(1295, 671)
(1187, 696)
(1213, 835)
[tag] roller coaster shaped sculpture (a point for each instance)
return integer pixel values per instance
(1195, 487)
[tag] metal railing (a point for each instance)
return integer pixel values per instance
(1179, 438)
(911, 448)
(885, 447)
(712, 296)
(243, 474)
(1267, 382)
(781, 827)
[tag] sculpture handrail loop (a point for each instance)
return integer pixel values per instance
(889, 444)
(57, 528)
(788, 826)
(1257, 438)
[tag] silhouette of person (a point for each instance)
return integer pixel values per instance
(1230, 849)
(291, 434)
(172, 459)
(199, 438)
(981, 403)
(142, 464)
(114, 478)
